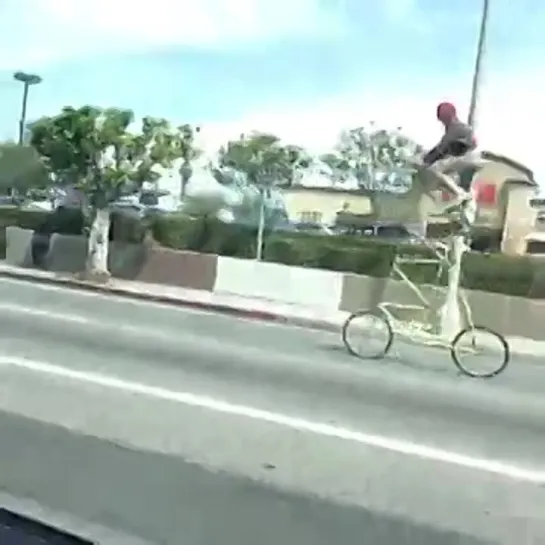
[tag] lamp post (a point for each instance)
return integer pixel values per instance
(478, 63)
(27, 80)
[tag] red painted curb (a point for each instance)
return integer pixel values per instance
(219, 308)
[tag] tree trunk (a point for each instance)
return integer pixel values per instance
(97, 260)
(260, 227)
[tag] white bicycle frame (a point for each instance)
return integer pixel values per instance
(427, 333)
(414, 330)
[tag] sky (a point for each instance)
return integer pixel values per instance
(304, 69)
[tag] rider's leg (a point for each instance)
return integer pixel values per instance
(444, 170)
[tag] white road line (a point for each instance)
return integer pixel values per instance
(47, 314)
(127, 300)
(153, 334)
(110, 297)
(144, 332)
(45, 287)
(399, 446)
(75, 292)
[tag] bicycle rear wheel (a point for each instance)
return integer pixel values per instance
(487, 345)
(368, 334)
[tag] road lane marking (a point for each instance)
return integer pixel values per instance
(71, 290)
(167, 337)
(178, 307)
(41, 313)
(391, 444)
(146, 332)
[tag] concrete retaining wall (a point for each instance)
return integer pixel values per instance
(295, 285)
(18, 246)
(512, 316)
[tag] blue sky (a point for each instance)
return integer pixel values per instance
(304, 68)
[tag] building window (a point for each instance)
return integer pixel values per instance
(535, 247)
(486, 192)
(310, 216)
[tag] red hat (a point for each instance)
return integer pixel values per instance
(446, 112)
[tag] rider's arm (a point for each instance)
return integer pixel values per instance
(434, 154)
(457, 132)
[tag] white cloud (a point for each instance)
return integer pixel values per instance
(510, 115)
(37, 31)
(411, 14)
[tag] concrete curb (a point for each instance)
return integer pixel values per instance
(220, 308)
(520, 347)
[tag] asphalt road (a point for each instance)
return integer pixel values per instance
(188, 428)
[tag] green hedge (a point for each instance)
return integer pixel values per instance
(488, 272)
(68, 222)
(493, 272)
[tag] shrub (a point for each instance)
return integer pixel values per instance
(488, 272)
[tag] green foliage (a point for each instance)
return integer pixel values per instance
(186, 142)
(263, 158)
(27, 219)
(99, 151)
(377, 158)
(67, 221)
(339, 164)
(13, 216)
(495, 272)
(96, 150)
(341, 254)
(205, 234)
(21, 169)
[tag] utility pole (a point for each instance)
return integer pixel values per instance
(475, 88)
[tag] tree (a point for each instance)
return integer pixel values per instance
(266, 163)
(263, 156)
(339, 165)
(93, 149)
(21, 170)
(377, 158)
(188, 152)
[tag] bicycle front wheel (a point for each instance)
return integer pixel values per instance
(480, 352)
(368, 334)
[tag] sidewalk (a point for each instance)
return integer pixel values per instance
(235, 305)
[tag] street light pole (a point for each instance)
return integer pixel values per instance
(478, 64)
(27, 80)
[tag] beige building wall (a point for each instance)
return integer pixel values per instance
(512, 213)
(520, 220)
(512, 184)
(322, 204)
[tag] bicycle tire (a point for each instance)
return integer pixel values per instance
(377, 313)
(467, 372)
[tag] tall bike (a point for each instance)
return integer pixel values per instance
(362, 328)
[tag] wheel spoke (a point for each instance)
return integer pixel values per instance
(480, 352)
(368, 334)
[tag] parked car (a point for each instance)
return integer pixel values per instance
(305, 227)
(395, 232)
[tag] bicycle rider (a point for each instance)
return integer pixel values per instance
(457, 142)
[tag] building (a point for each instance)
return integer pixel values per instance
(536, 239)
(504, 191)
